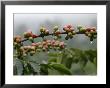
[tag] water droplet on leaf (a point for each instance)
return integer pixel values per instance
(91, 42)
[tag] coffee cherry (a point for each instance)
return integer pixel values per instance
(73, 32)
(55, 28)
(32, 53)
(66, 37)
(33, 44)
(31, 39)
(89, 35)
(32, 48)
(95, 36)
(69, 34)
(42, 29)
(15, 44)
(79, 27)
(69, 26)
(25, 34)
(46, 32)
(43, 49)
(82, 30)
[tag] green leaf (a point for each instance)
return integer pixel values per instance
(44, 69)
(28, 70)
(52, 60)
(61, 68)
(91, 54)
(18, 67)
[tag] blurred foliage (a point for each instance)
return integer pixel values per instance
(69, 61)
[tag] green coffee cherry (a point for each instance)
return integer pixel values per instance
(66, 37)
(69, 34)
(89, 35)
(32, 53)
(55, 28)
(73, 32)
(79, 27)
(31, 39)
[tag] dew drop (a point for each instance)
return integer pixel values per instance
(91, 42)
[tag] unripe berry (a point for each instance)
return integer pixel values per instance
(79, 27)
(31, 39)
(86, 33)
(15, 44)
(55, 28)
(42, 29)
(33, 48)
(32, 53)
(71, 37)
(95, 36)
(22, 49)
(25, 34)
(69, 34)
(43, 49)
(66, 37)
(89, 35)
(82, 30)
(73, 32)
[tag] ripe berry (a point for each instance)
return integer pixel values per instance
(69, 26)
(33, 44)
(29, 34)
(34, 36)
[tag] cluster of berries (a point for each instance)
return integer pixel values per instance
(44, 31)
(45, 45)
(17, 41)
(42, 46)
(69, 31)
(90, 32)
(29, 35)
(56, 33)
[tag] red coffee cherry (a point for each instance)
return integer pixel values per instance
(69, 26)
